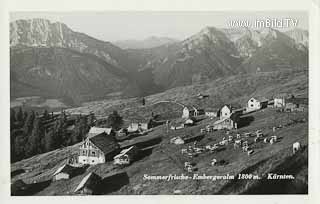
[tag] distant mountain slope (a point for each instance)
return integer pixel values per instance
(206, 55)
(299, 36)
(213, 53)
(43, 33)
(150, 42)
(64, 73)
(276, 51)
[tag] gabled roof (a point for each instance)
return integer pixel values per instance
(104, 142)
(227, 105)
(65, 169)
(87, 181)
(97, 130)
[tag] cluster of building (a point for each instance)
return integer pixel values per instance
(229, 116)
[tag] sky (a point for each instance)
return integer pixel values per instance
(137, 25)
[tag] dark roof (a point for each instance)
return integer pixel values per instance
(89, 181)
(106, 143)
(235, 117)
(297, 100)
(65, 169)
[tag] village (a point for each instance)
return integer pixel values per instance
(199, 132)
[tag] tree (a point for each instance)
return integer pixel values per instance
(143, 101)
(48, 141)
(12, 116)
(34, 140)
(114, 120)
(91, 119)
(19, 145)
(25, 115)
(45, 115)
(19, 116)
(80, 130)
(28, 125)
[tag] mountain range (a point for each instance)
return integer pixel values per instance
(51, 60)
(149, 42)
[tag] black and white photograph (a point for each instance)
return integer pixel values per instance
(159, 102)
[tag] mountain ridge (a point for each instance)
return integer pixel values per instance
(207, 55)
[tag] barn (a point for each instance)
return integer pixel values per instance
(64, 172)
(88, 184)
(98, 149)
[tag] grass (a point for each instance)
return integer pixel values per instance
(166, 158)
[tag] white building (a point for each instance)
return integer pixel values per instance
(133, 127)
(97, 149)
(256, 104)
(225, 112)
(279, 102)
(211, 114)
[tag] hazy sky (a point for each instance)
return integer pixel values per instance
(113, 25)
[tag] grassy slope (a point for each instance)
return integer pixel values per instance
(233, 89)
(167, 159)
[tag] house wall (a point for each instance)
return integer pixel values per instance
(253, 104)
(133, 127)
(225, 112)
(211, 114)
(226, 124)
(185, 112)
(136, 126)
(144, 126)
(90, 154)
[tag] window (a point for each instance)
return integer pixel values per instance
(251, 105)
(93, 153)
(251, 100)
(84, 152)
